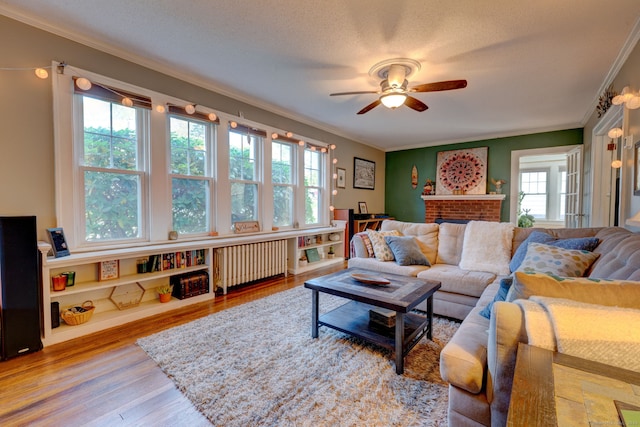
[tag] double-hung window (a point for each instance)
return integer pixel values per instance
(244, 172)
(111, 166)
(282, 168)
(313, 185)
(534, 183)
(191, 172)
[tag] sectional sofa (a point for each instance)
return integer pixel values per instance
(479, 361)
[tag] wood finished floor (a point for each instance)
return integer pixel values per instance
(105, 379)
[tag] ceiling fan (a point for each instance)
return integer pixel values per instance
(394, 87)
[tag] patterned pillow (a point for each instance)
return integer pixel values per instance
(581, 243)
(406, 250)
(557, 261)
(367, 243)
(380, 247)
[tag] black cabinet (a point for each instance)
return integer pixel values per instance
(19, 286)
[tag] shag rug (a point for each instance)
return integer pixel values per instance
(257, 365)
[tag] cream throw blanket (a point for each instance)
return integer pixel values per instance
(609, 335)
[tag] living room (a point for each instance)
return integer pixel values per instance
(30, 41)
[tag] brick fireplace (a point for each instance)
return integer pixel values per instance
(479, 207)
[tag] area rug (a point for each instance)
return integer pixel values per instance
(257, 365)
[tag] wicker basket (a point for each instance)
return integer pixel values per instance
(78, 315)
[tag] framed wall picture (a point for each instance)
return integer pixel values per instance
(341, 181)
(58, 242)
(462, 171)
(109, 270)
(364, 173)
(636, 169)
(362, 206)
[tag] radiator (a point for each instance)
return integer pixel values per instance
(236, 265)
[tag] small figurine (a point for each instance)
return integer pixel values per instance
(498, 184)
(428, 188)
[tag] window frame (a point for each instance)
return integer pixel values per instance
(292, 185)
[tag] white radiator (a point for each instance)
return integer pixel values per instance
(235, 265)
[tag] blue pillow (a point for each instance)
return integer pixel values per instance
(501, 295)
(406, 250)
(578, 243)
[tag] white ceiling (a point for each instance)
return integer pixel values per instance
(531, 66)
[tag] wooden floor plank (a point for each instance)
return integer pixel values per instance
(105, 379)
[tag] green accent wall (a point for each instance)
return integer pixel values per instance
(404, 203)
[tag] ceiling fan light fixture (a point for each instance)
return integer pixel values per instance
(393, 100)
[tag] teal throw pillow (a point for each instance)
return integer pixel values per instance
(406, 250)
(501, 295)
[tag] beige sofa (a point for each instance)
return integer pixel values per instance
(479, 361)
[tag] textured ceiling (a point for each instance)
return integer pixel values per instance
(531, 65)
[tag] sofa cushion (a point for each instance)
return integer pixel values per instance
(580, 243)
(386, 266)
(380, 247)
(450, 240)
(501, 295)
(454, 279)
(621, 293)
(426, 235)
(406, 250)
(554, 260)
(487, 247)
(620, 255)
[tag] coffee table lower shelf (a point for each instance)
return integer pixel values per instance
(353, 318)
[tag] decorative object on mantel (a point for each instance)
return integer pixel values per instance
(604, 103)
(462, 171)
(429, 188)
(414, 177)
(498, 184)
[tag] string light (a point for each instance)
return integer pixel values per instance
(190, 108)
(213, 117)
(127, 102)
(41, 73)
(301, 143)
(233, 124)
(289, 134)
(160, 108)
(274, 135)
(83, 83)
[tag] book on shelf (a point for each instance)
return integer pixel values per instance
(382, 316)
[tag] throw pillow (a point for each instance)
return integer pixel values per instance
(553, 260)
(450, 241)
(579, 243)
(406, 250)
(622, 293)
(487, 247)
(367, 243)
(380, 247)
(501, 295)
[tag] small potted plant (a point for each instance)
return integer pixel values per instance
(164, 292)
(331, 253)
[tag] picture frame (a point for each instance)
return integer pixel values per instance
(364, 173)
(58, 242)
(109, 270)
(362, 207)
(636, 169)
(312, 255)
(341, 181)
(461, 172)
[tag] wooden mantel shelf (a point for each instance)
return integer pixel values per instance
(465, 197)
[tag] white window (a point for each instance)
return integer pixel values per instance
(282, 169)
(534, 186)
(313, 185)
(191, 172)
(111, 169)
(244, 173)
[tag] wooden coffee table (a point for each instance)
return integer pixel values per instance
(401, 295)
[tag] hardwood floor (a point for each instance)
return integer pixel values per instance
(106, 379)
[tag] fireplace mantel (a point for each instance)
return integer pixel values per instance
(465, 197)
(479, 207)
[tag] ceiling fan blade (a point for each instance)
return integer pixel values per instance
(438, 86)
(415, 104)
(370, 107)
(353, 93)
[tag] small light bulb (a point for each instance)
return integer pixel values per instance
(213, 117)
(289, 134)
(335, 161)
(190, 109)
(614, 133)
(313, 148)
(274, 135)
(160, 108)
(301, 143)
(633, 103)
(333, 146)
(233, 124)
(331, 208)
(83, 83)
(127, 102)
(334, 192)
(335, 176)
(41, 73)
(616, 164)
(323, 150)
